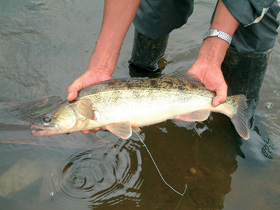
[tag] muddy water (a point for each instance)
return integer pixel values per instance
(44, 46)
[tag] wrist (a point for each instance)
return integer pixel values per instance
(213, 50)
(104, 58)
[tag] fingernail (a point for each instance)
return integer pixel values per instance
(218, 103)
(70, 95)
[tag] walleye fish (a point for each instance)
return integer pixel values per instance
(124, 105)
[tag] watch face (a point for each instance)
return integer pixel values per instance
(213, 32)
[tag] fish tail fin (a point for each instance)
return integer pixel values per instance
(238, 118)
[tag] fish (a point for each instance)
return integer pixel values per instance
(124, 105)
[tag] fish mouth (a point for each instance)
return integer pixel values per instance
(43, 131)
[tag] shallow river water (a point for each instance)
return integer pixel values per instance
(44, 46)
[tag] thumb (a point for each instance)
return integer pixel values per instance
(221, 95)
(73, 89)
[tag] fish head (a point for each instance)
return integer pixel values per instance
(62, 119)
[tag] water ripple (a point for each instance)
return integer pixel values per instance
(97, 176)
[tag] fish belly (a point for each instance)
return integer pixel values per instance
(153, 108)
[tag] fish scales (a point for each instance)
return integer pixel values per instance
(166, 82)
(167, 87)
(129, 95)
(121, 105)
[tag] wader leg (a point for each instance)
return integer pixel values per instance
(147, 52)
(244, 73)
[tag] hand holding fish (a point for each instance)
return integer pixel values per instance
(123, 105)
(207, 69)
(118, 16)
(212, 77)
(89, 78)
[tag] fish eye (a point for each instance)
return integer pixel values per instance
(47, 119)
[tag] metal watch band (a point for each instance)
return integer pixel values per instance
(220, 34)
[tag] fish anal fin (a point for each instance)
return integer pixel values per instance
(122, 130)
(199, 115)
(85, 108)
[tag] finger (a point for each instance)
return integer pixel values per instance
(95, 130)
(73, 89)
(85, 132)
(221, 95)
(72, 95)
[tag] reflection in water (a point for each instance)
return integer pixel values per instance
(259, 148)
(201, 154)
(205, 162)
(160, 174)
(104, 173)
(94, 177)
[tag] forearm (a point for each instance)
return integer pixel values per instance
(207, 67)
(118, 16)
(214, 48)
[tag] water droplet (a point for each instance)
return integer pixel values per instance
(268, 105)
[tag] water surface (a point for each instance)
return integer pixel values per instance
(44, 46)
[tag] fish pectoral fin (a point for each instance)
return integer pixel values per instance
(85, 108)
(122, 130)
(199, 115)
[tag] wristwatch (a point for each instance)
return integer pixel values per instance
(219, 34)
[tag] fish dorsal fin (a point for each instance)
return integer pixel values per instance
(199, 115)
(85, 108)
(122, 130)
(184, 76)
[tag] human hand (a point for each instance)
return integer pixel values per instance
(212, 78)
(207, 67)
(118, 16)
(89, 78)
